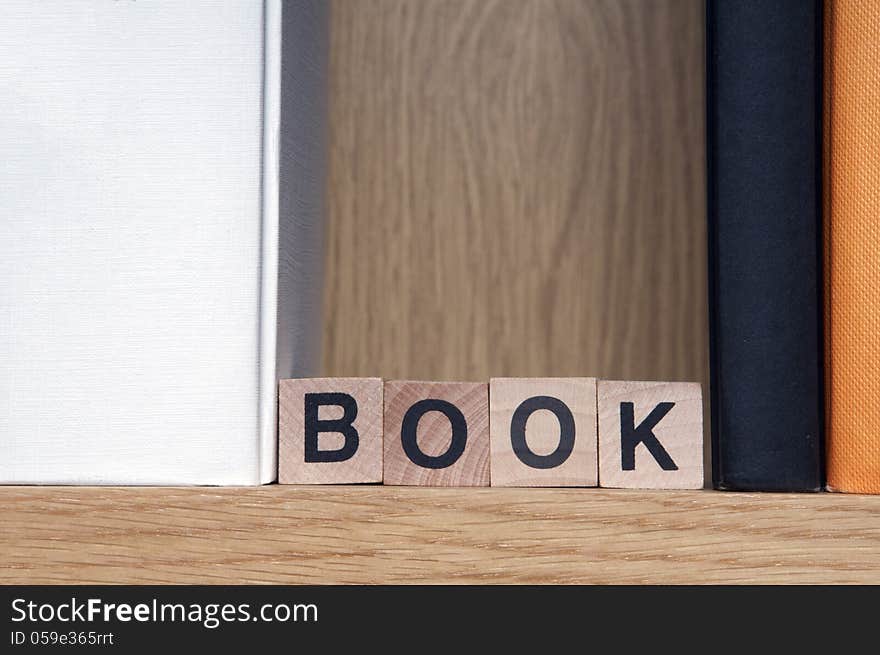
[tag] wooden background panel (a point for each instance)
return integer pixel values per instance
(516, 189)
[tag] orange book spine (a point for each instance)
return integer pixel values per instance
(852, 244)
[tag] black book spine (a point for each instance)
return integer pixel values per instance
(764, 157)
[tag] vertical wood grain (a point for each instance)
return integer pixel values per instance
(516, 189)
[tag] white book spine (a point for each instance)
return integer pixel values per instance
(160, 265)
(270, 239)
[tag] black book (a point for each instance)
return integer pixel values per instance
(764, 122)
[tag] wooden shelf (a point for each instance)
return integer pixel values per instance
(375, 534)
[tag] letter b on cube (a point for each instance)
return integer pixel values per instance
(330, 431)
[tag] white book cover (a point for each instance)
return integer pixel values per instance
(160, 202)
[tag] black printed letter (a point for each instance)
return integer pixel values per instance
(343, 426)
(631, 436)
(518, 432)
(410, 426)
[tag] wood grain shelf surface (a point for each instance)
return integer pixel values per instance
(375, 534)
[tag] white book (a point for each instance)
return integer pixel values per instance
(161, 243)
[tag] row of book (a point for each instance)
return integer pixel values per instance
(793, 126)
(160, 267)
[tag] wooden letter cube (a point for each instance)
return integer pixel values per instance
(330, 430)
(437, 434)
(543, 432)
(650, 435)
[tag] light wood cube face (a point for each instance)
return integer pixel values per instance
(437, 434)
(650, 435)
(330, 431)
(543, 432)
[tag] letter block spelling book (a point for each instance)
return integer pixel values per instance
(650, 435)
(543, 432)
(160, 258)
(437, 434)
(330, 430)
(526, 432)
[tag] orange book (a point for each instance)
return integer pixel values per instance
(852, 244)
